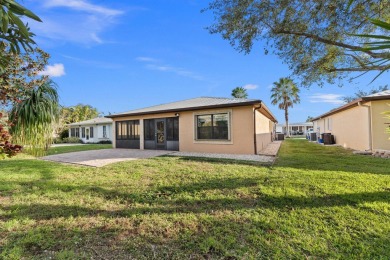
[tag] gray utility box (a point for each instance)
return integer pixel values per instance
(280, 137)
(313, 137)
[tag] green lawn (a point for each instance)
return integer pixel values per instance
(315, 202)
(77, 148)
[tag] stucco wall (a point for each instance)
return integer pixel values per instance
(242, 136)
(379, 124)
(264, 128)
(350, 127)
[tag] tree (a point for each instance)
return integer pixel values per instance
(285, 94)
(239, 92)
(317, 39)
(34, 118)
(13, 32)
(73, 114)
(360, 93)
(15, 69)
(309, 119)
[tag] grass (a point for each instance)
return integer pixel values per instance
(77, 148)
(315, 202)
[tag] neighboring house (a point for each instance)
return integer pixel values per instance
(295, 128)
(360, 124)
(204, 124)
(93, 130)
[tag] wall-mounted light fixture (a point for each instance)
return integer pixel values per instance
(177, 114)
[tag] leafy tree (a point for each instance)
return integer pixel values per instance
(16, 68)
(309, 119)
(360, 93)
(239, 92)
(13, 32)
(285, 94)
(34, 118)
(73, 114)
(78, 113)
(317, 39)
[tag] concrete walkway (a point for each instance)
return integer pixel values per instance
(239, 157)
(99, 158)
(272, 149)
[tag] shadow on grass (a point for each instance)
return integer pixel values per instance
(161, 204)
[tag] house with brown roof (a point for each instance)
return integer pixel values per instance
(204, 124)
(360, 124)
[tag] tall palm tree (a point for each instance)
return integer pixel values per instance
(34, 118)
(239, 92)
(285, 94)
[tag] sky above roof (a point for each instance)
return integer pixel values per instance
(122, 55)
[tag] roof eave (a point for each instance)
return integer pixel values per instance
(339, 109)
(185, 109)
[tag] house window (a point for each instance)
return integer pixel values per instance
(83, 132)
(329, 123)
(91, 132)
(74, 132)
(127, 130)
(213, 127)
(173, 129)
(149, 129)
(104, 131)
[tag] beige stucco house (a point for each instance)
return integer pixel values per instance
(204, 124)
(360, 124)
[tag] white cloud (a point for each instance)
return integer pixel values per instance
(250, 86)
(155, 64)
(81, 5)
(146, 59)
(83, 22)
(326, 98)
(55, 70)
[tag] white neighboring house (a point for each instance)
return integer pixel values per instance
(295, 128)
(93, 130)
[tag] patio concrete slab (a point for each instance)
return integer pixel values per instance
(99, 158)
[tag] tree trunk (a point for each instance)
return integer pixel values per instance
(286, 118)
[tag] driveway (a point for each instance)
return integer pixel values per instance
(99, 158)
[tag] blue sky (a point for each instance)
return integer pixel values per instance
(122, 55)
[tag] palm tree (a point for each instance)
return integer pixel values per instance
(285, 94)
(34, 118)
(239, 92)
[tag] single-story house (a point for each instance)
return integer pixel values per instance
(204, 124)
(360, 124)
(93, 130)
(295, 128)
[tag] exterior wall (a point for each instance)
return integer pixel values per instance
(350, 127)
(97, 133)
(380, 139)
(241, 131)
(264, 130)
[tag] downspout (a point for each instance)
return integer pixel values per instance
(254, 127)
(370, 126)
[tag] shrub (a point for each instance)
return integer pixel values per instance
(72, 140)
(58, 140)
(64, 134)
(105, 142)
